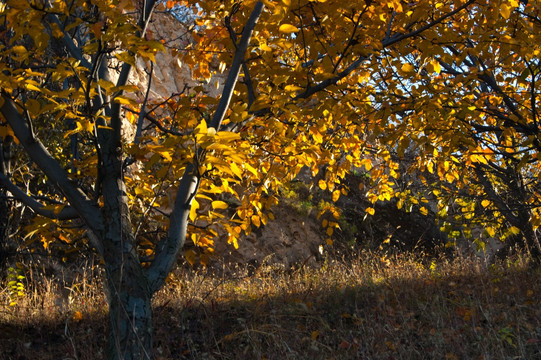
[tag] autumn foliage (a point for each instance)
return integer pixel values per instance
(434, 101)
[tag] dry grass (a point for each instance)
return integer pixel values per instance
(366, 308)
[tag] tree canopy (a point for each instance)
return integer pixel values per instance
(444, 90)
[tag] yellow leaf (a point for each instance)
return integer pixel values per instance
(256, 221)
(201, 128)
(330, 231)
(193, 210)
(126, 57)
(505, 10)
(291, 88)
(190, 257)
(251, 169)
(227, 136)
(19, 50)
(125, 101)
(265, 47)
(288, 29)
(423, 210)
(77, 316)
(449, 244)
(88, 126)
(107, 85)
(514, 230)
(408, 67)
(219, 204)
(436, 65)
(322, 184)
(370, 211)
(233, 240)
(430, 167)
(485, 203)
(32, 87)
(367, 163)
(335, 195)
(236, 170)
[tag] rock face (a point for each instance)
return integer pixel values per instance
(291, 239)
(170, 76)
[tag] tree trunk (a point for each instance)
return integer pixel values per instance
(129, 297)
(130, 316)
(128, 290)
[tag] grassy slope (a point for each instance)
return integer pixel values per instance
(366, 308)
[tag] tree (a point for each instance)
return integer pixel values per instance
(468, 104)
(325, 85)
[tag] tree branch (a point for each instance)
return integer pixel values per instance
(66, 213)
(169, 247)
(86, 209)
(399, 37)
(385, 44)
(247, 77)
(116, 122)
(143, 113)
(70, 45)
(154, 121)
(238, 60)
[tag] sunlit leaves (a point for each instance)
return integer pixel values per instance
(288, 29)
(218, 204)
(389, 89)
(408, 68)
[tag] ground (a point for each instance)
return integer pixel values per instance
(369, 306)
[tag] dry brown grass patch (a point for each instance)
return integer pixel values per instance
(371, 307)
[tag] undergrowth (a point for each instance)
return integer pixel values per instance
(369, 307)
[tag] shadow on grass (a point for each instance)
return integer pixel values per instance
(394, 313)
